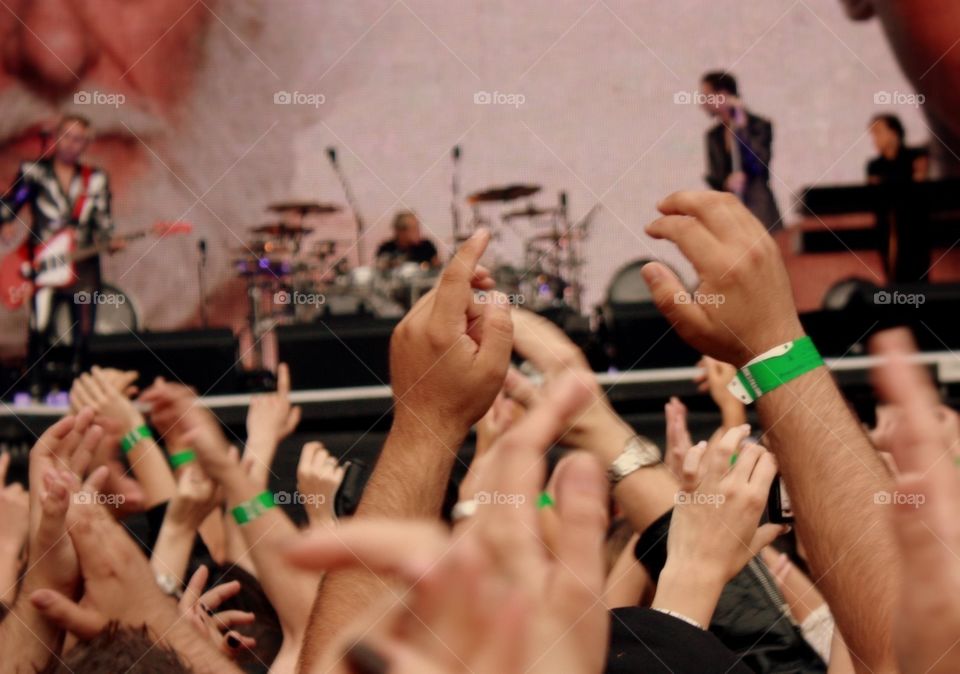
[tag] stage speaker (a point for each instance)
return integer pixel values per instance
(205, 359)
(635, 334)
(855, 309)
(338, 352)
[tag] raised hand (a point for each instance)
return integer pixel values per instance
(713, 379)
(119, 586)
(449, 354)
(714, 530)
(744, 303)
(678, 436)
(200, 609)
(104, 391)
(196, 497)
(319, 475)
(491, 599)
(270, 419)
(924, 515)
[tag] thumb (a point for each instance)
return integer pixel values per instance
(766, 535)
(496, 342)
(674, 302)
(85, 623)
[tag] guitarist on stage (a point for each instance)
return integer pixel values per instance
(62, 192)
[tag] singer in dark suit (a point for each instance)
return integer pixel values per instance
(739, 148)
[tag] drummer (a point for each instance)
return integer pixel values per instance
(407, 245)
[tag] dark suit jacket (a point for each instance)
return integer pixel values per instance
(756, 141)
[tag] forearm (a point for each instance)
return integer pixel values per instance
(9, 573)
(27, 633)
(262, 449)
(290, 591)
(171, 552)
(644, 495)
(149, 465)
(833, 474)
(409, 481)
(733, 414)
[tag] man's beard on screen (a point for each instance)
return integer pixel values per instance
(215, 167)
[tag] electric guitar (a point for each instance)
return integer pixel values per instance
(54, 262)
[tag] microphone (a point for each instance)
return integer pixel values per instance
(332, 154)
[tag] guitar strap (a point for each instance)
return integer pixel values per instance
(85, 173)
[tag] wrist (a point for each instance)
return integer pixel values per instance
(690, 589)
(787, 331)
(607, 440)
(424, 432)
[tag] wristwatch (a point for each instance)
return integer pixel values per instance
(169, 584)
(637, 453)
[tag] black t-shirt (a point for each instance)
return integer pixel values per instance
(422, 251)
(896, 170)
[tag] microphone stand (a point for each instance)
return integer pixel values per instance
(455, 195)
(201, 284)
(348, 193)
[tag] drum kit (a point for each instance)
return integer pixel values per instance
(550, 272)
(293, 279)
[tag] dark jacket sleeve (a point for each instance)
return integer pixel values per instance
(717, 171)
(18, 194)
(757, 142)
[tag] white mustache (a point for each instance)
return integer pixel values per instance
(23, 109)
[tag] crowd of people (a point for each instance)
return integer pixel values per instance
(621, 556)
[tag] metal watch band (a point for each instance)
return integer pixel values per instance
(638, 453)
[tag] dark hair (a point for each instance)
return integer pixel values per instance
(721, 81)
(266, 626)
(120, 649)
(73, 117)
(893, 123)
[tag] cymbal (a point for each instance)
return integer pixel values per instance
(506, 193)
(303, 207)
(530, 211)
(281, 229)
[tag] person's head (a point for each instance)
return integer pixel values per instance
(119, 649)
(406, 228)
(71, 138)
(718, 88)
(888, 134)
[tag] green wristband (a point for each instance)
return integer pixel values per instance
(775, 368)
(130, 440)
(182, 458)
(252, 509)
(545, 501)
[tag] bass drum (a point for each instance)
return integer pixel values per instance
(116, 315)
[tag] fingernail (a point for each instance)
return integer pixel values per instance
(651, 273)
(365, 660)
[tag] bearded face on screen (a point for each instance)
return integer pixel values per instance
(181, 97)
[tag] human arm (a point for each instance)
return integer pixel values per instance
(831, 470)
(270, 419)
(196, 497)
(289, 591)
(713, 379)
(96, 389)
(14, 530)
(448, 357)
(714, 529)
(319, 475)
